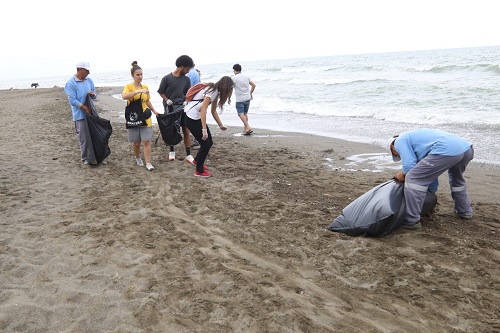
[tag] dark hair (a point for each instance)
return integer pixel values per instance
(184, 61)
(134, 68)
(225, 88)
(237, 67)
(134, 63)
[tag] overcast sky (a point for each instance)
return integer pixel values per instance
(48, 38)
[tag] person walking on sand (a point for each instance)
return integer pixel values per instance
(216, 95)
(244, 95)
(77, 88)
(173, 88)
(143, 134)
(425, 154)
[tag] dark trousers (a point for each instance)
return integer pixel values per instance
(194, 127)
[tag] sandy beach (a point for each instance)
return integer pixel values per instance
(116, 248)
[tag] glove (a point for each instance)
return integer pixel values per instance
(169, 102)
(205, 134)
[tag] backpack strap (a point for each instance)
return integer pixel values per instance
(198, 101)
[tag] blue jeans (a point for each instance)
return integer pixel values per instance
(242, 107)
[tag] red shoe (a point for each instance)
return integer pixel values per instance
(193, 162)
(204, 174)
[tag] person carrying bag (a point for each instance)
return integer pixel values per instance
(134, 116)
(138, 117)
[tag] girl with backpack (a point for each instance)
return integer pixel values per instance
(213, 95)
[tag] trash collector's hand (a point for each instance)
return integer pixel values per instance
(400, 176)
(205, 134)
(86, 108)
(169, 102)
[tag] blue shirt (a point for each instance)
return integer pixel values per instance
(77, 91)
(193, 76)
(414, 145)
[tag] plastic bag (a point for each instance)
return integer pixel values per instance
(378, 212)
(99, 132)
(170, 125)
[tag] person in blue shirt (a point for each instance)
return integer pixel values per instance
(77, 88)
(425, 154)
(194, 76)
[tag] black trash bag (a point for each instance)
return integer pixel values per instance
(170, 124)
(99, 132)
(378, 212)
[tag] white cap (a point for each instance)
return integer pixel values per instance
(391, 142)
(83, 64)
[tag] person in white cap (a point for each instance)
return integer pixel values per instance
(425, 154)
(77, 88)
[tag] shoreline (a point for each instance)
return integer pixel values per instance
(113, 105)
(484, 155)
(115, 248)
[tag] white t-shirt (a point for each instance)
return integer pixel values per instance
(241, 87)
(193, 107)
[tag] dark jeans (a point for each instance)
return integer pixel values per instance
(194, 127)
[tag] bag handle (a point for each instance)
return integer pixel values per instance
(140, 97)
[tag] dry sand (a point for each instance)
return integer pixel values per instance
(116, 248)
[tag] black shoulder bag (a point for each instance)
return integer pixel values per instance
(134, 116)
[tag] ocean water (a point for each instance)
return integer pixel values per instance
(364, 98)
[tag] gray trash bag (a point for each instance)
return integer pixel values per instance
(378, 212)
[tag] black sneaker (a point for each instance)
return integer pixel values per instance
(416, 226)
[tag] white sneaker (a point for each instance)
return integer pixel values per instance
(190, 160)
(150, 167)
(171, 156)
(139, 161)
(105, 161)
